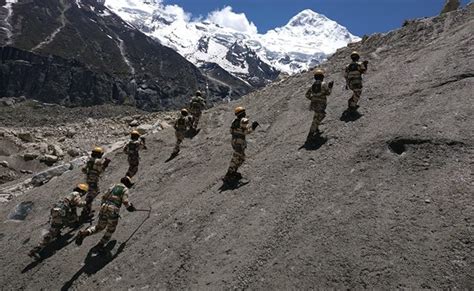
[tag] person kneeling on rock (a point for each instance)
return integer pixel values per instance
(63, 214)
(109, 212)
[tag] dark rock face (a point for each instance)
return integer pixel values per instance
(259, 73)
(102, 59)
(232, 84)
(55, 80)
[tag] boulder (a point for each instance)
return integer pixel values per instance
(49, 159)
(55, 150)
(21, 211)
(145, 128)
(134, 123)
(74, 152)
(26, 136)
(4, 164)
(7, 101)
(44, 177)
(30, 156)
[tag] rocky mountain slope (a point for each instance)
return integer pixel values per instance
(385, 202)
(93, 47)
(306, 40)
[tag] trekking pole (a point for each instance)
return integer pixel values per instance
(143, 210)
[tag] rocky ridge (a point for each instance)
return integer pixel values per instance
(78, 53)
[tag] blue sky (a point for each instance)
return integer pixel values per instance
(359, 16)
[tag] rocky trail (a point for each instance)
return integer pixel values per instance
(385, 201)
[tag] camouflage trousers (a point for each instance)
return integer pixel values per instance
(356, 93)
(91, 194)
(57, 222)
(108, 220)
(133, 163)
(179, 140)
(319, 115)
(196, 117)
(238, 158)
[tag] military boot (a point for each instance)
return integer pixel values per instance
(80, 237)
(34, 253)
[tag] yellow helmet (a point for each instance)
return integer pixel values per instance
(134, 133)
(318, 72)
(98, 150)
(184, 111)
(83, 187)
(239, 110)
(355, 54)
(198, 93)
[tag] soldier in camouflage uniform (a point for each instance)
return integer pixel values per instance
(93, 169)
(181, 125)
(239, 129)
(353, 75)
(317, 94)
(196, 106)
(63, 214)
(109, 212)
(132, 149)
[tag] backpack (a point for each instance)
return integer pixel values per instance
(317, 87)
(353, 67)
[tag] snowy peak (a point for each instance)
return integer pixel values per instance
(306, 40)
(307, 17)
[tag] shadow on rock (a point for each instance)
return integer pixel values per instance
(227, 186)
(314, 143)
(192, 133)
(350, 116)
(95, 261)
(51, 249)
(172, 157)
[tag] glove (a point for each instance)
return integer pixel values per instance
(106, 162)
(255, 125)
(131, 208)
(331, 84)
(366, 63)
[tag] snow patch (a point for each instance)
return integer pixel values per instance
(51, 37)
(124, 55)
(306, 40)
(7, 26)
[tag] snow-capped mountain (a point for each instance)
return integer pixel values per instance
(306, 40)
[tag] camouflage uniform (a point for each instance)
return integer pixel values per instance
(63, 214)
(93, 170)
(109, 212)
(132, 150)
(196, 107)
(239, 129)
(353, 76)
(181, 125)
(317, 94)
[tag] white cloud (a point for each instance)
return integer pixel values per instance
(228, 18)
